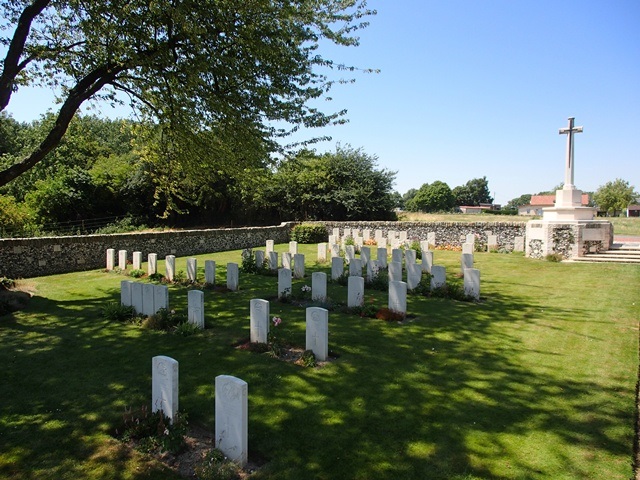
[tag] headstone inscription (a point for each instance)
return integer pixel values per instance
(232, 418)
(472, 283)
(284, 282)
(164, 386)
(398, 297)
(317, 332)
(319, 286)
(259, 320)
(322, 253)
(195, 308)
(298, 265)
(414, 275)
(355, 292)
(382, 257)
(438, 276)
(337, 267)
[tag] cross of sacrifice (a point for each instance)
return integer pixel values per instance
(568, 172)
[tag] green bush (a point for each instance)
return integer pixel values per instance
(153, 432)
(115, 311)
(216, 466)
(309, 233)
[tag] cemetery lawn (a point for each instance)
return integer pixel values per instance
(537, 381)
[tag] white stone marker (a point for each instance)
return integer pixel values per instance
(472, 283)
(317, 334)
(355, 233)
(333, 239)
(273, 261)
(259, 258)
(122, 259)
(284, 282)
(396, 255)
(382, 243)
(148, 299)
(210, 272)
(414, 275)
(355, 268)
(365, 255)
(398, 297)
(164, 386)
(336, 232)
(391, 234)
(286, 260)
(347, 233)
(335, 250)
(259, 320)
(233, 276)
(125, 293)
(518, 244)
(349, 253)
(378, 235)
(152, 263)
(492, 242)
(366, 234)
(403, 236)
(232, 418)
(427, 260)
(372, 270)
(358, 241)
(382, 257)
(318, 286)
(355, 292)
(395, 271)
(438, 276)
(269, 246)
(337, 267)
(322, 253)
(136, 297)
(111, 258)
(431, 239)
(298, 265)
(160, 297)
(410, 256)
(192, 269)
(170, 267)
(395, 243)
(293, 248)
(424, 245)
(466, 261)
(468, 248)
(470, 238)
(195, 309)
(137, 261)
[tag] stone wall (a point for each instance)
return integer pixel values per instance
(32, 257)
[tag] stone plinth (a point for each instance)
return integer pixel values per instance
(569, 238)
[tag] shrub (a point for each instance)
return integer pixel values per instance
(164, 319)
(554, 257)
(380, 281)
(153, 432)
(136, 273)
(308, 359)
(186, 329)
(6, 283)
(249, 263)
(309, 233)
(216, 466)
(115, 311)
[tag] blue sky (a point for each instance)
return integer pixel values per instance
(471, 88)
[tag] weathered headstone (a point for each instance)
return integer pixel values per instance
(427, 260)
(382, 243)
(396, 255)
(403, 236)
(398, 297)
(337, 267)
(170, 267)
(111, 258)
(438, 276)
(347, 233)
(492, 243)
(136, 297)
(284, 282)
(466, 261)
(273, 261)
(335, 250)
(195, 308)
(210, 272)
(333, 239)
(122, 259)
(355, 292)
(395, 271)
(192, 269)
(349, 253)
(372, 269)
(269, 246)
(136, 264)
(293, 247)
(259, 258)
(160, 297)
(164, 386)
(424, 245)
(391, 234)
(322, 253)
(470, 238)
(366, 234)
(378, 235)
(318, 286)
(365, 255)
(431, 239)
(259, 320)
(317, 332)
(233, 276)
(472, 283)
(232, 418)
(468, 248)
(358, 241)
(152, 264)
(414, 275)
(287, 260)
(298, 265)
(410, 256)
(382, 257)
(395, 243)
(336, 232)
(125, 293)
(148, 299)
(355, 268)
(518, 244)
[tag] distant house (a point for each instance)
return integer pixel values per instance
(538, 202)
(476, 209)
(633, 211)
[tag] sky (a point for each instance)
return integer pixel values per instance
(471, 89)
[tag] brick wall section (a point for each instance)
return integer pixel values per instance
(32, 257)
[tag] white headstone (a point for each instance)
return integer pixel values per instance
(333, 239)
(287, 260)
(298, 265)
(355, 292)
(259, 258)
(410, 256)
(160, 297)
(336, 232)
(355, 268)
(273, 261)
(395, 243)
(122, 259)
(232, 418)
(424, 245)
(259, 320)
(210, 272)
(391, 234)
(403, 236)
(347, 232)
(111, 258)
(414, 275)
(293, 248)
(337, 267)
(492, 242)
(427, 260)
(152, 263)
(136, 264)
(125, 293)
(470, 238)
(192, 269)
(358, 241)
(382, 243)
(382, 257)
(322, 253)
(284, 282)
(269, 246)
(136, 297)
(334, 248)
(431, 239)
(195, 309)
(378, 235)
(318, 286)
(468, 248)
(395, 271)
(398, 297)
(164, 386)
(148, 299)
(518, 244)
(233, 276)
(365, 255)
(396, 255)
(317, 334)
(372, 269)
(349, 253)
(438, 276)
(466, 261)
(366, 234)
(472, 283)
(170, 267)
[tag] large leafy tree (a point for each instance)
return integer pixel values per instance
(614, 197)
(190, 65)
(474, 192)
(434, 197)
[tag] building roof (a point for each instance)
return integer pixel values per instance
(550, 200)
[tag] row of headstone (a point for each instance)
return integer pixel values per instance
(145, 298)
(231, 406)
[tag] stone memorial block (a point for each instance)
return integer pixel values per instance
(210, 272)
(195, 308)
(136, 264)
(427, 261)
(410, 256)
(160, 297)
(136, 297)
(431, 239)
(233, 276)
(148, 299)
(403, 236)
(355, 268)
(395, 271)
(382, 243)
(317, 332)
(414, 275)
(366, 234)
(372, 269)
(259, 320)
(336, 232)
(424, 245)
(346, 233)
(284, 282)
(468, 247)
(466, 261)
(122, 259)
(398, 297)
(269, 246)
(492, 243)
(333, 239)
(287, 261)
(470, 238)
(365, 255)
(355, 292)
(382, 257)
(472, 283)
(125, 293)
(438, 276)
(298, 265)
(259, 258)
(111, 258)
(273, 261)
(349, 253)
(396, 255)
(164, 386)
(337, 267)
(152, 264)
(395, 243)
(293, 248)
(335, 250)
(391, 234)
(192, 269)
(378, 235)
(322, 253)
(319, 286)
(518, 244)
(232, 418)
(170, 267)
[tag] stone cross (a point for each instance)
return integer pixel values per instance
(568, 171)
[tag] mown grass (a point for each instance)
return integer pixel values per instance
(534, 382)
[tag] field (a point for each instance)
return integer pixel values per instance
(536, 381)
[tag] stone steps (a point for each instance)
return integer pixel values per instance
(618, 253)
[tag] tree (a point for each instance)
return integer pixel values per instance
(474, 192)
(614, 197)
(190, 65)
(514, 203)
(407, 197)
(435, 197)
